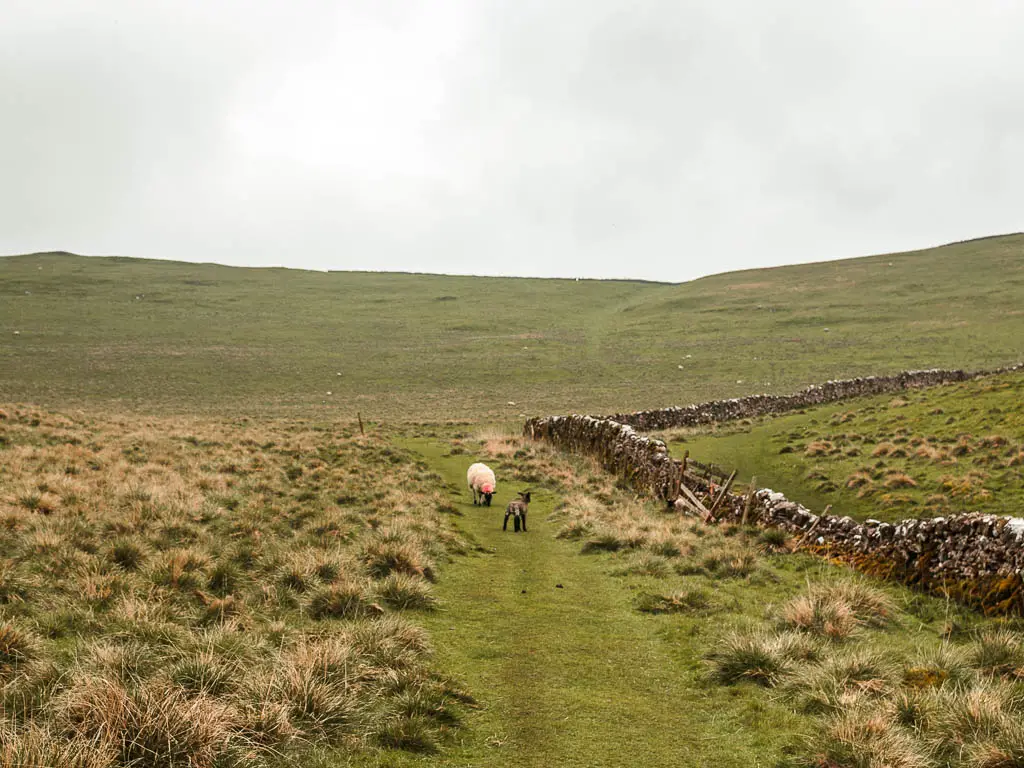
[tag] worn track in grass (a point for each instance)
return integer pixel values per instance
(573, 676)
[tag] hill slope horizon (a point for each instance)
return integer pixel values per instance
(163, 336)
(62, 252)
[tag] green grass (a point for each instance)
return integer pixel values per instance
(574, 675)
(625, 666)
(214, 572)
(921, 453)
(163, 336)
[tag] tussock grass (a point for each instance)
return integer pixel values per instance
(773, 540)
(195, 593)
(946, 665)
(645, 564)
(405, 592)
(43, 748)
(1000, 653)
(863, 737)
(842, 679)
(764, 658)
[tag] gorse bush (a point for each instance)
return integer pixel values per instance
(190, 593)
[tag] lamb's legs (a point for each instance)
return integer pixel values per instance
(504, 526)
(524, 521)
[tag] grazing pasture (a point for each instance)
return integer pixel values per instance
(922, 453)
(773, 657)
(206, 562)
(174, 337)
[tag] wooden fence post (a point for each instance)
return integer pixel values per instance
(360, 417)
(722, 493)
(750, 500)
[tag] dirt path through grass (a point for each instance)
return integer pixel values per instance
(571, 675)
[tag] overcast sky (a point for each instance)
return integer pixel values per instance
(602, 138)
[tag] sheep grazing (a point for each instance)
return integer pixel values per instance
(516, 509)
(481, 482)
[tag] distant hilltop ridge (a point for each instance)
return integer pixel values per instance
(120, 258)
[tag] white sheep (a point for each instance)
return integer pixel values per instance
(481, 481)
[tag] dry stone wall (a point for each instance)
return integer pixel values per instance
(975, 558)
(816, 394)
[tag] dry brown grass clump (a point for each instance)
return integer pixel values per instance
(970, 486)
(820, 448)
(859, 479)
(899, 480)
(498, 443)
(862, 736)
(836, 611)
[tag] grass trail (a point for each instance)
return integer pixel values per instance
(573, 675)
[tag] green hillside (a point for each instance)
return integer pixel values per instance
(923, 453)
(168, 336)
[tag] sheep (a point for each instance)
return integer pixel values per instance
(481, 481)
(516, 509)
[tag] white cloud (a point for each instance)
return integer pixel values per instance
(602, 138)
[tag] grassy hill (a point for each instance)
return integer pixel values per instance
(924, 453)
(168, 337)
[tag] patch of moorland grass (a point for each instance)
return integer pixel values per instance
(156, 723)
(414, 733)
(836, 610)
(343, 600)
(18, 646)
(695, 600)
(169, 613)
(976, 722)
(405, 592)
(127, 553)
(861, 736)
(206, 672)
(15, 585)
(773, 540)
(383, 557)
(945, 665)
(40, 747)
(764, 658)
(611, 540)
(842, 678)
(999, 653)
(720, 559)
(645, 564)
(127, 661)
